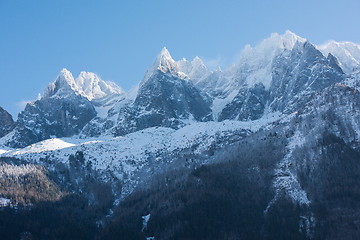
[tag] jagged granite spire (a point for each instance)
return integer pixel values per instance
(165, 64)
(63, 85)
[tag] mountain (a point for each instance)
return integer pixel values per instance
(164, 98)
(195, 70)
(6, 122)
(353, 80)
(248, 104)
(347, 53)
(282, 78)
(61, 112)
(94, 88)
(278, 75)
(254, 66)
(192, 153)
(299, 73)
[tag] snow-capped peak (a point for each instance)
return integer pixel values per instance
(88, 85)
(164, 63)
(62, 85)
(271, 46)
(93, 87)
(258, 60)
(66, 77)
(184, 66)
(198, 70)
(347, 53)
(195, 70)
(197, 62)
(289, 39)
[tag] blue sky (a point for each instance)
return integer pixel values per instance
(119, 40)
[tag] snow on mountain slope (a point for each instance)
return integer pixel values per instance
(164, 63)
(87, 84)
(3, 151)
(285, 178)
(124, 156)
(294, 76)
(299, 73)
(195, 70)
(94, 88)
(347, 53)
(104, 104)
(241, 91)
(62, 112)
(254, 66)
(334, 110)
(62, 86)
(43, 146)
(164, 98)
(337, 110)
(108, 109)
(353, 80)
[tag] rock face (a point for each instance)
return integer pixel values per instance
(281, 74)
(335, 110)
(295, 75)
(94, 88)
(248, 104)
(254, 66)
(164, 98)
(299, 73)
(195, 70)
(62, 112)
(347, 53)
(6, 122)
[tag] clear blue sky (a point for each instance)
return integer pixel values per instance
(118, 40)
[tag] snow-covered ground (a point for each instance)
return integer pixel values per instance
(4, 202)
(285, 181)
(123, 155)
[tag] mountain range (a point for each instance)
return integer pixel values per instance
(288, 97)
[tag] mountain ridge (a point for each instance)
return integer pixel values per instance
(244, 91)
(282, 126)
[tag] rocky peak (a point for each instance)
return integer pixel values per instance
(93, 87)
(347, 53)
(165, 64)
(62, 86)
(6, 122)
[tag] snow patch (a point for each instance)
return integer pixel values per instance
(46, 145)
(256, 62)
(145, 219)
(93, 87)
(4, 202)
(347, 53)
(220, 103)
(285, 181)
